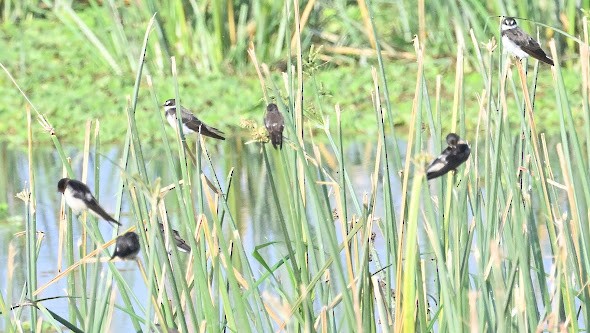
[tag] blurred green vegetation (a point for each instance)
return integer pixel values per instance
(481, 263)
(76, 60)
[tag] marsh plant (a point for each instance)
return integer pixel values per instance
(465, 251)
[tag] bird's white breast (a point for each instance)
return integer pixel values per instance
(172, 121)
(511, 47)
(77, 205)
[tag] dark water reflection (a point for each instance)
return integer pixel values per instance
(252, 208)
(251, 205)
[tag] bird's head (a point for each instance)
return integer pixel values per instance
(509, 23)
(61, 185)
(169, 103)
(272, 107)
(452, 139)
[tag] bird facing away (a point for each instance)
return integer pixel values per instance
(519, 43)
(178, 241)
(274, 123)
(79, 198)
(190, 123)
(454, 155)
(127, 246)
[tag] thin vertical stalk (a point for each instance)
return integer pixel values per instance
(415, 109)
(31, 225)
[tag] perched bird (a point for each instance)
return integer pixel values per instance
(79, 198)
(127, 246)
(274, 122)
(180, 243)
(190, 123)
(519, 43)
(454, 155)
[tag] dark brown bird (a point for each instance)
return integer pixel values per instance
(79, 198)
(274, 123)
(454, 155)
(127, 246)
(519, 43)
(190, 123)
(178, 241)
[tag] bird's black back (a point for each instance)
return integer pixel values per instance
(274, 123)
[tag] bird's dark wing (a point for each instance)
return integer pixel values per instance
(192, 122)
(459, 155)
(97, 210)
(180, 243)
(277, 139)
(450, 159)
(440, 165)
(127, 246)
(80, 190)
(528, 44)
(274, 123)
(209, 131)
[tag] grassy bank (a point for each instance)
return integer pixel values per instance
(69, 81)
